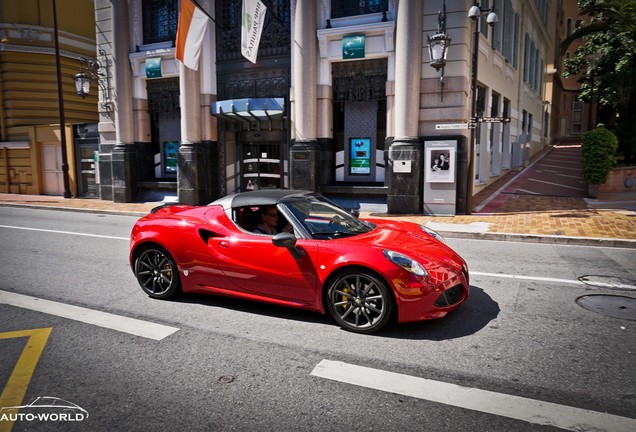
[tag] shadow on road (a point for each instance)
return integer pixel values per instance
(469, 318)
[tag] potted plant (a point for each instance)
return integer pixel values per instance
(598, 149)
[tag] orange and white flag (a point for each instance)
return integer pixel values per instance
(190, 33)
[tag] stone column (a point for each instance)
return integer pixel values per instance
(405, 154)
(124, 156)
(191, 157)
(305, 152)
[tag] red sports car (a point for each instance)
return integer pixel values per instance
(315, 255)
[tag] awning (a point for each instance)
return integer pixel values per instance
(250, 110)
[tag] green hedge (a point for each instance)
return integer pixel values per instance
(598, 149)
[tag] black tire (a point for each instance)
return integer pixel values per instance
(359, 301)
(157, 272)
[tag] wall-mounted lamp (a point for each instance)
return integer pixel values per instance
(438, 46)
(93, 70)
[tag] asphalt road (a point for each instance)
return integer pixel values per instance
(521, 343)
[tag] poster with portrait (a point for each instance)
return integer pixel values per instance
(440, 164)
(360, 157)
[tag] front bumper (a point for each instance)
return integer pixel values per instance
(431, 297)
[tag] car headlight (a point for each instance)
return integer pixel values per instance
(432, 233)
(407, 263)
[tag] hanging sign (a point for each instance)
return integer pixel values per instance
(353, 46)
(153, 67)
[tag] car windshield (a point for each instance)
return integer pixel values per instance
(324, 219)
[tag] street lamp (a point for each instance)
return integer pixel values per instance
(438, 44)
(474, 13)
(593, 60)
(93, 70)
(60, 102)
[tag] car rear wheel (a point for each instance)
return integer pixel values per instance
(157, 273)
(359, 301)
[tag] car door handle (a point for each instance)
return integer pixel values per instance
(223, 243)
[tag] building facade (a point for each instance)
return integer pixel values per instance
(33, 101)
(342, 99)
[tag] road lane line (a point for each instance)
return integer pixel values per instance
(89, 316)
(65, 232)
(533, 278)
(504, 405)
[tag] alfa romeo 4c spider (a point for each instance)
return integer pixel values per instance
(315, 255)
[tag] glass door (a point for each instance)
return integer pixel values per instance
(260, 166)
(88, 166)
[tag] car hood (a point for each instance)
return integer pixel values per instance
(408, 239)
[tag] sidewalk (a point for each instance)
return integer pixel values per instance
(501, 213)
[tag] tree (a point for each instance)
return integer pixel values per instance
(611, 32)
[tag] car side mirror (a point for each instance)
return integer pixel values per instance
(288, 240)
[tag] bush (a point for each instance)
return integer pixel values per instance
(598, 149)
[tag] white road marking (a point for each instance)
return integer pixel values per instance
(561, 167)
(515, 407)
(527, 191)
(555, 184)
(102, 319)
(65, 232)
(532, 278)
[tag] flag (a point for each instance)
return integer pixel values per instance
(251, 28)
(190, 32)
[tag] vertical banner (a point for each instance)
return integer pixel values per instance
(251, 28)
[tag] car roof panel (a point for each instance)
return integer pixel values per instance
(258, 197)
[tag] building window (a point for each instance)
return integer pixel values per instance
(524, 121)
(345, 8)
(160, 19)
(577, 116)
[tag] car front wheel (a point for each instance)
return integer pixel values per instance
(359, 302)
(157, 273)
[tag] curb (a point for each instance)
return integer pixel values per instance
(78, 210)
(543, 239)
(527, 238)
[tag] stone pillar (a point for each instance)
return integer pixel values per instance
(327, 161)
(405, 154)
(191, 157)
(305, 151)
(124, 156)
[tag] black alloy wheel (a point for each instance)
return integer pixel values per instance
(360, 302)
(157, 273)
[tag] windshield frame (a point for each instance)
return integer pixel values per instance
(322, 219)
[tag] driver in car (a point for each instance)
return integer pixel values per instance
(269, 221)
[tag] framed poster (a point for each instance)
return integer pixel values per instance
(170, 150)
(440, 164)
(360, 158)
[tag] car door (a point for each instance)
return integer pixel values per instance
(254, 265)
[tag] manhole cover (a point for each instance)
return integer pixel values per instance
(611, 282)
(610, 305)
